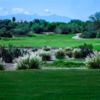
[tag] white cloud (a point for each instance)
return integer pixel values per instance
(17, 11)
(48, 11)
(3, 11)
(28, 13)
(20, 11)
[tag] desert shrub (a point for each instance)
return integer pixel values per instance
(51, 26)
(59, 54)
(5, 33)
(5, 22)
(86, 49)
(88, 34)
(77, 53)
(45, 55)
(68, 51)
(34, 49)
(93, 60)
(31, 61)
(84, 34)
(45, 29)
(18, 31)
(98, 34)
(2, 64)
(8, 54)
(37, 28)
(61, 29)
(46, 48)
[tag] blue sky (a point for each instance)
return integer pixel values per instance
(75, 9)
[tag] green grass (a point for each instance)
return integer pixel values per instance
(75, 60)
(50, 85)
(65, 64)
(55, 41)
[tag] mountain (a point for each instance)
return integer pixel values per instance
(51, 18)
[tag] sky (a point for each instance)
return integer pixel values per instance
(74, 9)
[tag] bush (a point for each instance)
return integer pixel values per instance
(37, 28)
(51, 26)
(31, 61)
(2, 64)
(8, 54)
(5, 33)
(77, 53)
(93, 60)
(68, 51)
(46, 56)
(88, 34)
(60, 54)
(34, 49)
(18, 31)
(46, 48)
(86, 49)
(98, 34)
(61, 29)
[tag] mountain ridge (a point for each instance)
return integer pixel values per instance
(50, 18)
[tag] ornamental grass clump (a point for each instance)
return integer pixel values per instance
(77, 53)
(2, 64)
(68, 51)
(31, 61)
(93, 60)
(45, 55)
(46, 48)
(59, 54)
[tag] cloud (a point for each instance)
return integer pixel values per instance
(28, 13)
(48, 11)
(20, 11)
(17, 11)
(3, 11)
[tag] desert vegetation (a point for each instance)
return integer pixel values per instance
(89, 29)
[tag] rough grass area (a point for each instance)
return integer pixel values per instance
(55, 41)
(50, 85)
(65, 64)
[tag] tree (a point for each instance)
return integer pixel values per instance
(37, 28)
(36, 21)
(95, 19)
(13, 19)
(5, 33)
(62, 29)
